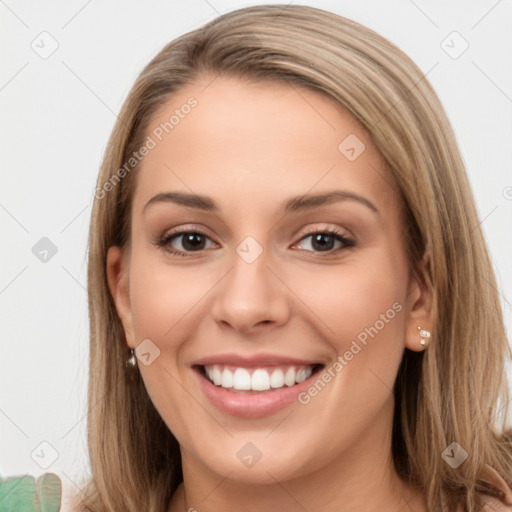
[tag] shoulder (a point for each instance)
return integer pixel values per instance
(493, 503)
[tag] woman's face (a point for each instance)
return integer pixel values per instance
(267, 247)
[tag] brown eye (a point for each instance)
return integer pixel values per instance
(192, 241)
(183, 242)
(325, 241)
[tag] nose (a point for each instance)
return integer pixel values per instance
(251, 297)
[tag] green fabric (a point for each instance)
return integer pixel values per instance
(25, 494)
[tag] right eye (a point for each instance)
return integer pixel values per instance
(190, 241)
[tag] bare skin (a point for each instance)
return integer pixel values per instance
(250, 147)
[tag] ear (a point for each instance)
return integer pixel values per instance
(419, 306)
(119, 285)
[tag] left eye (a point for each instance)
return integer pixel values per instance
(323, 241)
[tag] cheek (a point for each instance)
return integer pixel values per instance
(360, 307)
(163, 300)
(356, 299)
(163, 296)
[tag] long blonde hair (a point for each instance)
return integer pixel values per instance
(450, 393)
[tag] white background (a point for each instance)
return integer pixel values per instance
(57, 114)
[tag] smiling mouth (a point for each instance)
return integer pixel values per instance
(257, 380)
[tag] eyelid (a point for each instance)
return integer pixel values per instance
(327, 228)
(192, 228)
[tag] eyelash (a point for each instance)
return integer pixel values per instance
(164, 241)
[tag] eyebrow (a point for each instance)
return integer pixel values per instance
(294, 204)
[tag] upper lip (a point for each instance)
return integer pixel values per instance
(254, 361)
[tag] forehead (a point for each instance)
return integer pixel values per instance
(259, 142)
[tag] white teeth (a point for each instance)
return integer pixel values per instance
(301, 376)
(227, 379)
(277, 379)
(216, 376)
(242, 379)
(260, 380)
(289, 378)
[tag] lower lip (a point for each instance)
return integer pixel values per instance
(249, 405)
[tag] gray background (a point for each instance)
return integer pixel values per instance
(57, 112)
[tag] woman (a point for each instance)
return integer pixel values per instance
(292, 306)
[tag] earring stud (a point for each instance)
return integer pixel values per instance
(131, 362)
(423, 334)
